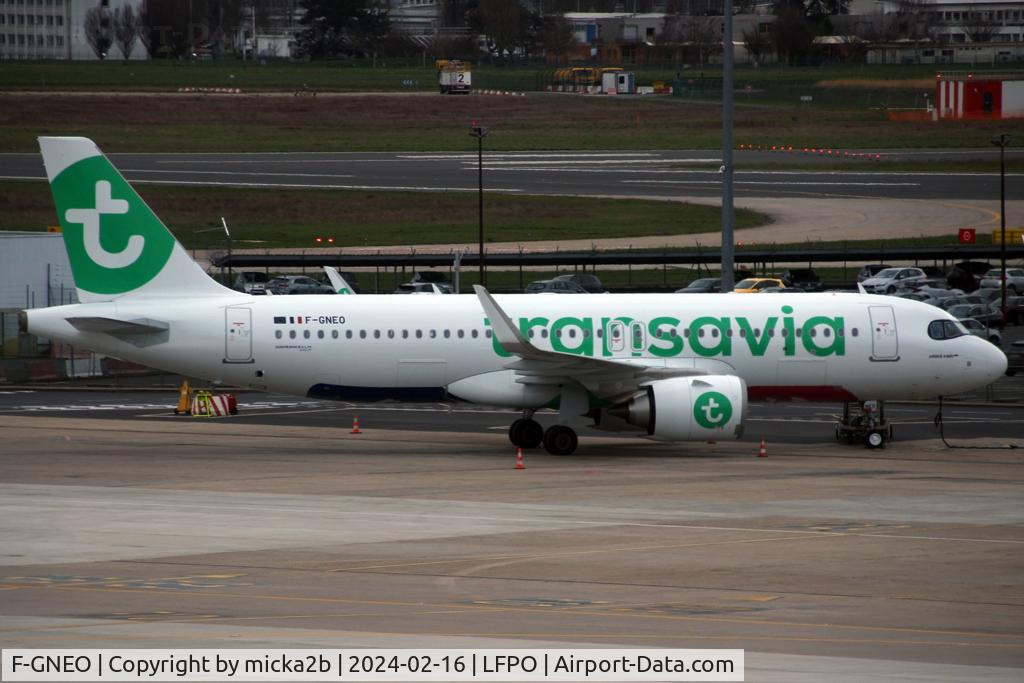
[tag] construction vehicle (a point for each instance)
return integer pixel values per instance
(454, 76)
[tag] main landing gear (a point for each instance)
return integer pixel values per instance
(528, 433)
(865, 422)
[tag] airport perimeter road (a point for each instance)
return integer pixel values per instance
(644, 174)
(897, 565)
(782, 423)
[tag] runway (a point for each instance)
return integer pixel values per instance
(789, 423)
(820, 561)
(691, 173)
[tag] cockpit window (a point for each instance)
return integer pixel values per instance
(945, 329)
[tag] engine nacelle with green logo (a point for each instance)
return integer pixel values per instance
(689, 408)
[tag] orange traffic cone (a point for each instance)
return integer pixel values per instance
(762, 452)
(355, 425)
(519, 459)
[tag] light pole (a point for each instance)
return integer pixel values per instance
(479, 132)
(728, 254)
(1001, 141)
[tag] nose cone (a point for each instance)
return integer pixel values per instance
(993, 362)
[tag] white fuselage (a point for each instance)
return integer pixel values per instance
(811, 346)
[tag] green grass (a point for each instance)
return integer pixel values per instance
(162, 74)
(293, 218)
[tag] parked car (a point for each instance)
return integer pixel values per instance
(987, 295)
(251, 282)
(782, 290)
(419, 288)
(704, 285)
(979, 329)
(871, 270)
(1014, 309)
(434, 277)
(297, 284)
(1014, 279)
(889, 280)
(1015, 358)
(554, 287)
(981, 312)
(804, 278)
(713, 284)
(753, 285)
(588, 282)
(967, 275)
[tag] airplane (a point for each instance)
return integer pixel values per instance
(669, 367)
(337, 281)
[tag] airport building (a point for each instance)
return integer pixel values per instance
(61, 29)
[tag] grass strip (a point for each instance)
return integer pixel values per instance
(270, 218)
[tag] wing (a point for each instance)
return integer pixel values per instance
(605, 378)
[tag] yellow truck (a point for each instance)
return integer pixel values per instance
(454, 76)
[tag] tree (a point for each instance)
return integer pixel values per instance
(336, 28)
(980, 27)
(556, 36)
(97, 30)
(757, 44)
(502, 22)
(791, 33)
(127, 27)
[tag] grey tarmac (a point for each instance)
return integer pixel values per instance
(820, 561)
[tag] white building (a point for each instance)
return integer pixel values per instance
(55, 29)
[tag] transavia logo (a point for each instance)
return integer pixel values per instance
(114, 242)
(712, 409)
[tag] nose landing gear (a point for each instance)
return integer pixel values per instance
(866, 422)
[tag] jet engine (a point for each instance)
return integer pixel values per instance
(688, 408)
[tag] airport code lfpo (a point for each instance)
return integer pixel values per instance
(372, 665)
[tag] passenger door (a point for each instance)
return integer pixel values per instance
(885, 345)
(237, 335)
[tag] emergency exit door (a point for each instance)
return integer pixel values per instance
(238, 335)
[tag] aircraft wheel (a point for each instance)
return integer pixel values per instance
(560, 440)
(531, 434)
(875, 439)
(515, 433)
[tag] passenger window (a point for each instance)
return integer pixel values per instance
(376, 334)
(334, 334)
(433, 334)
(476, 333)
(278, 334)
(362, 334)
(391, 334)
(419, 334)
(319, 334)
(461, 334)
(447, 334)
(305, 334)
(405, 334)
(291, 334)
